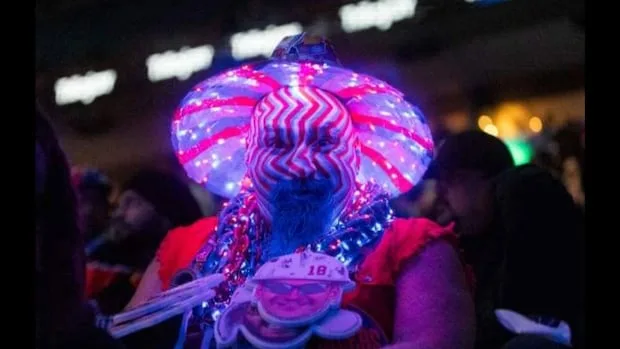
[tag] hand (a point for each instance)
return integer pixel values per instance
(164, 306)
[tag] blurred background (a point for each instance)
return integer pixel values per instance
(111, 72)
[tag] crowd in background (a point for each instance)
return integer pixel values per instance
(561, 152)
(121, 232)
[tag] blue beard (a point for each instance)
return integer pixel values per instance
(303, 211)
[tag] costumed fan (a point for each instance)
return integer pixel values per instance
(309, 154)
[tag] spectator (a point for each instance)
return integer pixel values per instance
(150, 204)
(520, 231)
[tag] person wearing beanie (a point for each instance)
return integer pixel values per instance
(520, 231)
(151, 203)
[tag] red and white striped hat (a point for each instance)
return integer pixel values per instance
(211, 125)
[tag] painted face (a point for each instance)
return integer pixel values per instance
(301, 133)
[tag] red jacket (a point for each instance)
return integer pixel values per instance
(375, 291)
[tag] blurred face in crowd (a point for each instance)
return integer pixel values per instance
(467, 195)
(301, 159)
(93, 210)
(134, 214)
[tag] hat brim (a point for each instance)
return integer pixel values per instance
(347, 285)
(211, 125)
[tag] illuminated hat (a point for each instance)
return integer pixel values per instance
(210, 126)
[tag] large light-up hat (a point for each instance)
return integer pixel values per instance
(210, 126)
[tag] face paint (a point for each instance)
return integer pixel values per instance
(301, 133)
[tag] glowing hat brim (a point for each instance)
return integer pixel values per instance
(210, 126)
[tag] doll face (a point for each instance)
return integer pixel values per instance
(296, 299)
